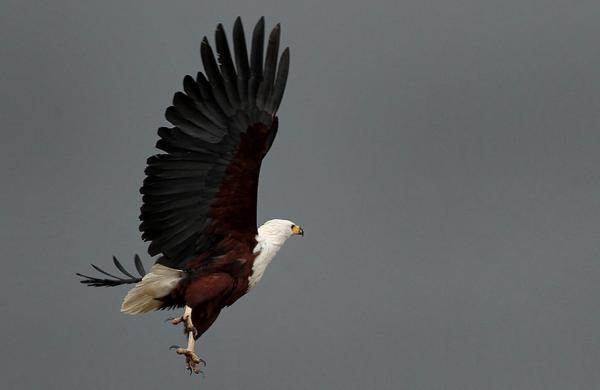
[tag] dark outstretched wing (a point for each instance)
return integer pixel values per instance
(205, 186)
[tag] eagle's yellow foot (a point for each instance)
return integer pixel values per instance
(191, 359)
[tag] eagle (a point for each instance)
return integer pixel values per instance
(199, 197)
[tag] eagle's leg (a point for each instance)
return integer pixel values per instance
(191, 359)
(186, 318)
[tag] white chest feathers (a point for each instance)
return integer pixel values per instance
(266, 253)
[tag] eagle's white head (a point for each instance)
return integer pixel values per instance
(270, 238)
(277, 231)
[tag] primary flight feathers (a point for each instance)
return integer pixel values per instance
(224, 123)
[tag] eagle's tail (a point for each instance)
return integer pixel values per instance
(115, 280)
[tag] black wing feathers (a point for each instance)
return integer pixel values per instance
(210, 101)
(214, 77)
(241, 61)
(280, 81)
(226, 66)
(266, 85)
(256, 60)
(210, 119)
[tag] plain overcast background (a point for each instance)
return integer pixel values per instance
(442, 156)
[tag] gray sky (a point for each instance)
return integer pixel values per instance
(442, 156)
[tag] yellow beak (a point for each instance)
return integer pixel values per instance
(297, 230)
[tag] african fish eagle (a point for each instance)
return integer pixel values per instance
(199, 196)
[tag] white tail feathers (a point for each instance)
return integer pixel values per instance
(144, 297)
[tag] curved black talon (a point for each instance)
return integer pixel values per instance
(195, 370)
(174, 347)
